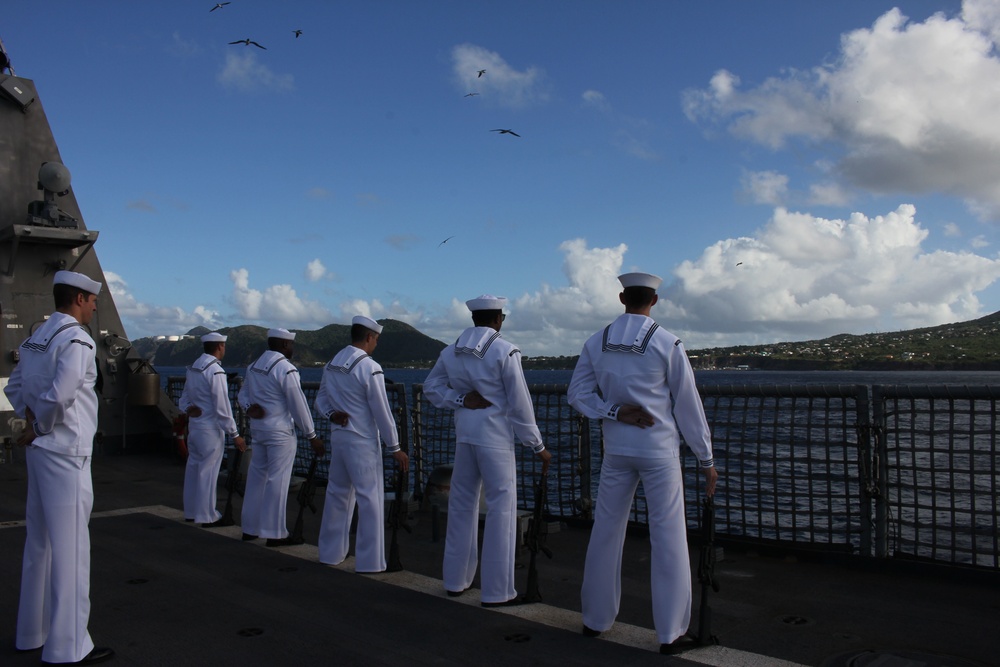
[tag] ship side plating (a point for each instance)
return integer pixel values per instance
(42, 231)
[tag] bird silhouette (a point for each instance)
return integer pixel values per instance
(738, 263)
(471, 94)
(481, 72)
(507, 132)
(248, 42)
(218, 5)
(297, 33)
(446, 240)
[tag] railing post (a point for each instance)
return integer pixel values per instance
(880, 473)
(865, 476)
(586, 469)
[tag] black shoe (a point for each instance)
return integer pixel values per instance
(513, 602)
(683, 643)
(280, 542)
(247, 537)
(456, 594)
(189, 520)
(217, 524)
(99, 654)
(590, 632)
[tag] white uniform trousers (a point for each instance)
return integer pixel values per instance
(265, 502)
(670, 568)
(201, 476)
(477, 466)
(55, 578)
(355, 476)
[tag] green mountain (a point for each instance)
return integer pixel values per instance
(972, 345)
(400, 345)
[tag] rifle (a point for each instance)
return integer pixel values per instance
(233, 479)
(396, 520)
(706, 573)
(535, 538)
(305, 498)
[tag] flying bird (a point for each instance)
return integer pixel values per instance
(297, 33)
(218, 5)
(446, 240)
(738, 263)
(471, 94)
(507, 132)
(248, 42)
(481, 72)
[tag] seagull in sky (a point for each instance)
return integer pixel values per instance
(471, 94)
(218, 5)
(248, 42)
(507, 132)
(738, 263)
(446, 240)
(297, 33)
(481, 72)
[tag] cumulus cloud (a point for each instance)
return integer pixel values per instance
(143, 319)
(244, 73)
(951, 229)
(501, 84)
(765, 187)
(276, 304)
(902, 108)
(315, 270)
(803, 276)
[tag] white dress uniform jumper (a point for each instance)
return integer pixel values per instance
(480, 360)
(273, 383)
(635, 362)
(354, 383)
(55, 377)
(205, 387)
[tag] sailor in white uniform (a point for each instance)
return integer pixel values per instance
(636, 378)
(205, 399)
(480, 378)
(352, 396)
(272, 397)
(52, 386)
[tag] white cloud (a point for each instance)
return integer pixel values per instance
(766, 187)
(315, 271)
(277, 304)
(951, 229)
(828, 194)
(501, 84)
(905, 107)
(802, 276)
(142, 319)
(979, 242)
(245, 74)
(596, 100)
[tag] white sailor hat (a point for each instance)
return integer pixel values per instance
(368, 323)
(214, 337)
(640, 280)
(284, 334)
(487, 302)
(77, 280)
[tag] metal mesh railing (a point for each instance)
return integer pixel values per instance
(791, 459)
(799, 465)
(938, 473)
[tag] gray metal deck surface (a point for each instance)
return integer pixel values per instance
(167, 592)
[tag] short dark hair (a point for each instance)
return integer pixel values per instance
(359, 332)
(278, 344)
(64, 295)
(211, 346)
(483, 317)
(638, 297)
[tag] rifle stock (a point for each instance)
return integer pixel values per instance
(397, 519)
(706, 573)
(232, 486)
(535, 539)
(305, 497)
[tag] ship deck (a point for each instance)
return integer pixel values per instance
(167, 592)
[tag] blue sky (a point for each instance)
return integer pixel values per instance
(793, 169)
